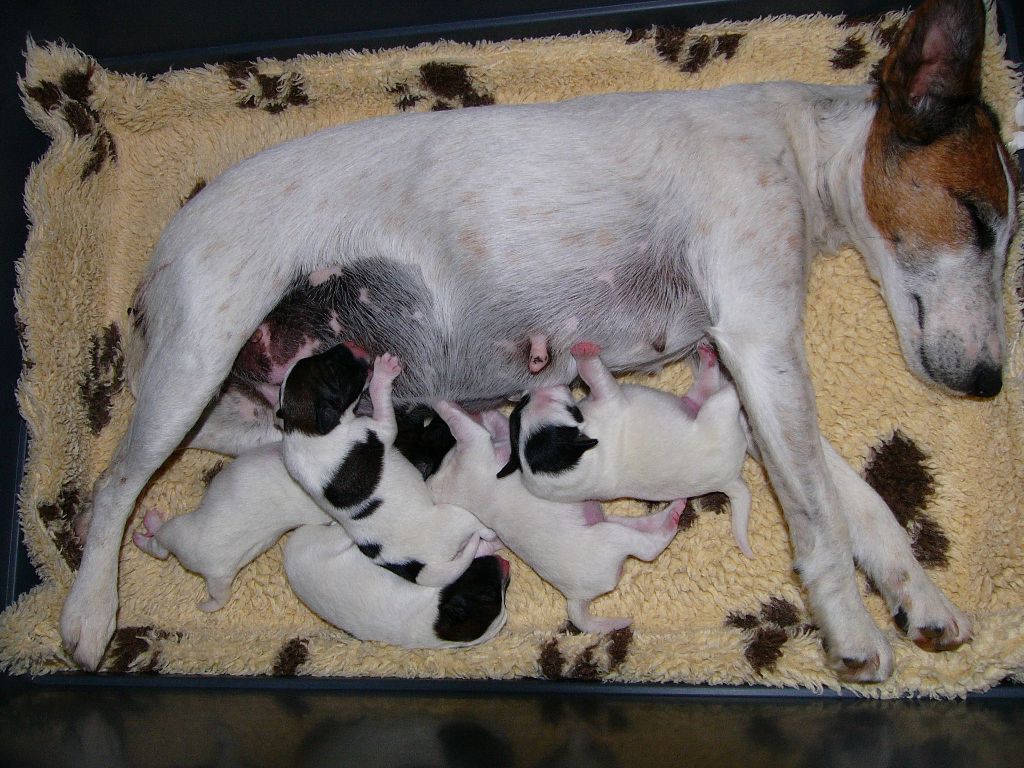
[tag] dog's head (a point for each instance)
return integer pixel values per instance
(319, 389)
(940, 191)
(546, 433)
(472, 608)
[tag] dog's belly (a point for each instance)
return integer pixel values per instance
(467, 337)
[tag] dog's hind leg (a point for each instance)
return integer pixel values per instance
(232, 425)
(176, 382)
(882, 549)
(772, 376)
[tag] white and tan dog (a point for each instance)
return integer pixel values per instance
(573, 546)
(631, 441)
(253, 501)
(350, 467)
(641, 222)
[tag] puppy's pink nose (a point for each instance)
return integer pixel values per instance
(506, 569)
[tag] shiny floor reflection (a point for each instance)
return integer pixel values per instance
(109, 728)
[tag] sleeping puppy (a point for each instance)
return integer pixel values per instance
(349, 466)
(329, 574)
(572, 546)
(253, 501)
(248, 506)
(630, 441)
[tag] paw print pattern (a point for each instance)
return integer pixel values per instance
(691, 52)
(258, 90)
(70, 98)
(58, 517)
(594, 662)
(104, 378)
(440, 85)
(898, 472)
(768, 630)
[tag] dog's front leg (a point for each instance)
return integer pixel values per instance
(882, 549)
(773, 380)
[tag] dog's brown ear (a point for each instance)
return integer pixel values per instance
(934, 68)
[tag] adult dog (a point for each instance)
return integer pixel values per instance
(641, 222)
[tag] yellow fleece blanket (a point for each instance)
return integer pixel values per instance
(126, 153)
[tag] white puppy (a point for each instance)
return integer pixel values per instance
(572, 546)
(630, 441)
(349, 466)
(330, 575)
(253, 501)
(249, 505)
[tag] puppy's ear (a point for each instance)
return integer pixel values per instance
(556, 448)
(515, 422)
(934, 68)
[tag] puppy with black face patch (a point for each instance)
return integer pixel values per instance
(351, 468)
(572, 546)
(253, 501)
(329, 574)
(631, 441)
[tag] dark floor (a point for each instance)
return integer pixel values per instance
(107, 727)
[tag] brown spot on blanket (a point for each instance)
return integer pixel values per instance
(59, 519)
(104, 377)
(71, 96)
(898, 472)
(292, 655)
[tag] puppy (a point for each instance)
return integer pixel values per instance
(572, 546)
(349, 465)
(248, 506)
(630, 441)
(329, 574)
(253, 501)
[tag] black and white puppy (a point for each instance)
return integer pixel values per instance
(572, 546)
(254, 501)
(329, 574)
(631, 441)
(349, 466)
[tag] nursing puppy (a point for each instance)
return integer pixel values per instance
(253, 501)
(572, 546)
(350, 467)
(247, 507)
(329, 574)
(630, 441)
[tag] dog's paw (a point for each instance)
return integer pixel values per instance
(87, 624)
(868, 660)
(930, 620)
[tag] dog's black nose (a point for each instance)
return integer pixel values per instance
(985, 381)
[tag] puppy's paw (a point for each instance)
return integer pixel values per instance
(387, 366)
(585, 349)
